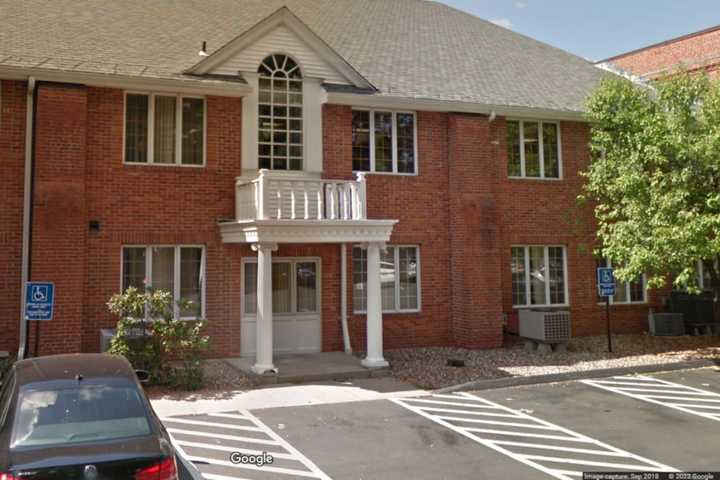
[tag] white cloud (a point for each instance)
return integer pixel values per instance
(502, 22)
(520, 4)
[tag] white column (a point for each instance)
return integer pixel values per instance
(374, 358)
(264, 323)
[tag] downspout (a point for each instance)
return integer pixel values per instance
(343, 298)
(27, 211)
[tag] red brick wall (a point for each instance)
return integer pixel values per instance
(461, 210)
(420, 203)
(697, 52)
(545, 212)
(12, 168)
(474, 239)
(150, 205)
(59, 212)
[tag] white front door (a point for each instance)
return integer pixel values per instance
(296, 306)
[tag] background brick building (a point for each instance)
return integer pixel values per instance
(695, 52)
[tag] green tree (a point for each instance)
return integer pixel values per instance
(654, 178)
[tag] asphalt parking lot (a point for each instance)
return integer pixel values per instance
(659, 422)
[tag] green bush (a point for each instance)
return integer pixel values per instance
(5, 364)
(150, 337)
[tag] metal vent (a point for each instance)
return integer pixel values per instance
(106, 334)
(551, 326)
(670, 324)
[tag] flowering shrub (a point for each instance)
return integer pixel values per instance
(149, 336)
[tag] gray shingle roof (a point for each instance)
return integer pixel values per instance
(405, 48)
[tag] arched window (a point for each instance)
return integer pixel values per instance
(280, 126)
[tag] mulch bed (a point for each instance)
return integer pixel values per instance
(428, 367)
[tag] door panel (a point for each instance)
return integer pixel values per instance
(296, 306)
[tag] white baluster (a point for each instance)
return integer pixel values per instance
(263, 195)
(362, 195)
(346, 201)
(306, 202)
(332, 201)
(320, 204)
(292, 200)
(354, 201)
(278, 193)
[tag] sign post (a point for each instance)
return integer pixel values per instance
(606, 288)
(39, 303)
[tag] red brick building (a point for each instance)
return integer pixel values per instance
(695, 52)
(402, 165)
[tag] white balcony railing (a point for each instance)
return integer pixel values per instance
(273, 196)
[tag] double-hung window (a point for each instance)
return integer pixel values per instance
(179, 270)
(533, 149)
(399, 279)
(384, 141)
(539, 276)
(625, 292)
(164, 129)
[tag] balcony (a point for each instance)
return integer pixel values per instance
(277, 207)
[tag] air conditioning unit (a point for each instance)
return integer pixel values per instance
(550, 326)
(666, 324)
(106, 334)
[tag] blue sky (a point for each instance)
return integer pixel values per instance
(597, 29)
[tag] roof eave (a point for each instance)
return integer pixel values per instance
(197, 86)
(440, 105)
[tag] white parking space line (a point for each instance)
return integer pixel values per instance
(211, 424)
(548, 456)
(216, 452)
(661, 392)
(220, 436)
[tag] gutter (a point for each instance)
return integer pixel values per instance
(457, 106)
(343, 298)
(30, 107)
(197, 85)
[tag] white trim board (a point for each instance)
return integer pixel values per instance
(282, 16)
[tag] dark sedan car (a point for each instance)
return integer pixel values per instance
(81, 417)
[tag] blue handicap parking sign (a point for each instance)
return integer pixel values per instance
(39, 299)
(606, 281)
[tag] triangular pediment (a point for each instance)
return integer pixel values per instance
(283, 33)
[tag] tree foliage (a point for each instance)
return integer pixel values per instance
(654, 177)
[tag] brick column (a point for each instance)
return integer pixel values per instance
(12, 170)
(59, 212)
(475, 260)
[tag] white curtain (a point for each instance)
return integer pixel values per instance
(164, 129)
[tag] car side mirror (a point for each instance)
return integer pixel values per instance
(143, 376)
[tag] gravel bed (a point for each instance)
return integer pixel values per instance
(427, 367)
(220, 381)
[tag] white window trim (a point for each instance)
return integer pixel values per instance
(293, 286)
(521, 132)
(176, 272)
(151, 129)
(394, 113)
(396, 260)
(546, 257)
(627, 293)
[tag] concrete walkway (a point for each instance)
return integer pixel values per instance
(310, 367)
(290, 396)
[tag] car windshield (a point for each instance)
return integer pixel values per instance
(78, 413)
